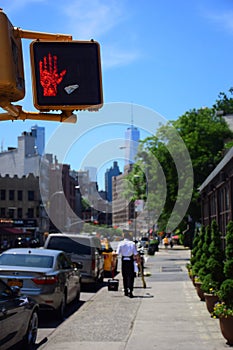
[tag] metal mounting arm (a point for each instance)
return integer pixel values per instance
(28, 34)
(17, 113)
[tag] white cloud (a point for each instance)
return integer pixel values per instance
(223, 19)
(103, 21)
(96, 16)
(15, 5)
(113, 57)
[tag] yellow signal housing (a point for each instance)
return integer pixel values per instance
(12, 83)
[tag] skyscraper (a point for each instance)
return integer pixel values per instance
(39, 133)
(113, 171)
(132, 136)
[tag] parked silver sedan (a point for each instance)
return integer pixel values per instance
(46, 275)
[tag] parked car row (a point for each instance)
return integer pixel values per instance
(47, 278)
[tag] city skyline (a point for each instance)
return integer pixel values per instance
(130, 148)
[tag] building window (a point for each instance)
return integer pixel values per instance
(224, 208)
(31, 195)
(20, 195)
(213, 205)
(11, 195)
(2, 212)
(3, 195)
(20, 212)
(11, 212)
(30, 213)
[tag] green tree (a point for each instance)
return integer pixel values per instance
(205, 134)
(224, 104)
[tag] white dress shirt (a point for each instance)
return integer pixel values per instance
(126, 249)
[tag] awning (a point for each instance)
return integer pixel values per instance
(11, 230)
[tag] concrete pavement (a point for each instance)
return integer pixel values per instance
(166, 315)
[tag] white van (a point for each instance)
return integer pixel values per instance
(82, 248)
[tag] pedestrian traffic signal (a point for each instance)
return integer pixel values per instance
(66, 75)
(12, 85)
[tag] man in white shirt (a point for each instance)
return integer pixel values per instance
(128, 251)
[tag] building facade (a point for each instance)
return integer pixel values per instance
(216, 195)
(24, 159)
(20, 207)
(122, 211)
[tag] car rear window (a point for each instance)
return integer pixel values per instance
(26, 260)
(69, 245)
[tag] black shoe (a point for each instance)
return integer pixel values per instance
(131, 295)
(126, 293)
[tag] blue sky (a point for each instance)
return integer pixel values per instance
(168, 56)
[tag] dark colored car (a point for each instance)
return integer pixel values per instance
(18, 318)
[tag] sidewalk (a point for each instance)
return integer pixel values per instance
(166, 315)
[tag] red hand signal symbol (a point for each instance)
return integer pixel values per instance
(49, 77)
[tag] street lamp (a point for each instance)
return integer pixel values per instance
(135, 208)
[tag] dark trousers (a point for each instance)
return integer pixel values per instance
(127, 270)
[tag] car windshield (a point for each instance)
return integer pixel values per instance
(70, 245)
(26, 260)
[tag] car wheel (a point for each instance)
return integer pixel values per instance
(61, 310)
(29, 340)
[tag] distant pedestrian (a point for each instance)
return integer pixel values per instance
(128, 251)
(171, 242)
(166, 241)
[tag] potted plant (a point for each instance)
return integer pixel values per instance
(199, 261)
(214, 274)
(228, 264)
(193, 257)
(197, 251)
(210, 289)
(203, 271)
(224, 309)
